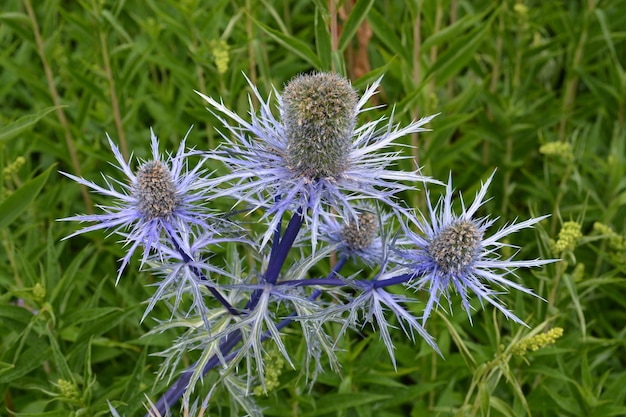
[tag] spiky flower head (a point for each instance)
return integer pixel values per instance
(319, 113)
(315, 158)
(155, 190)
(454, 252)
(162, 196)
(360, 234)
(456, 247)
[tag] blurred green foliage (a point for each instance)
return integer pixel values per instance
(535, 89)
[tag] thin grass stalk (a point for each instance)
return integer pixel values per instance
(334, 36)
(571, 84)
(69, 141)
(115, 107)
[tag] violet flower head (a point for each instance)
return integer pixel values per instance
(365, 238)
(314, 157)
(162, 196)
(455, 252)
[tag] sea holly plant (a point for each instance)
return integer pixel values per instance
(322, 184)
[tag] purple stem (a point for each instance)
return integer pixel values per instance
(176, 391)
(335, 282)
(278, 255)
(279, 226)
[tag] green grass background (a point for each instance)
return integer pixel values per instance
(507, 77)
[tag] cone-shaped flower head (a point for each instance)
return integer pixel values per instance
(366, 238)
(161, 196)
(319, 113)
(315, 157)
(453, 252)
(359, 235)
(155, 191)
(456, 247)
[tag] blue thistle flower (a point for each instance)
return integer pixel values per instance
(454, 252)
(161, 196)
(315, 157)
(367, 238)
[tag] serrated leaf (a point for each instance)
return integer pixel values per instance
(17, 202)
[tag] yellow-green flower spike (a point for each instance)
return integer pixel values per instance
(562, 150)
(68, 390)
(274, 363)
(537, 342)
(569, 236)
(219, 50)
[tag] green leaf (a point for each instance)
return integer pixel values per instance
(17, 202)
(90, 314)
(501, 406)
(606, 33)
(296, 46)
(459, 54)
(383, 30)
(454, 31)
(15, 314)
(354, 21)
(340, 402)
(28, 361)
(100, 327)
(12, 130)
(322, 41)
(571, 288)
(62, 366)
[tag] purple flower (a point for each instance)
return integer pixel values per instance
(314, 157)
(455, 252)
(161, 197)
(366, 239)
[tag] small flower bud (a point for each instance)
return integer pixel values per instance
(13, 167)
(219, 51)
(521, 10)
(569, 236)
(39, 292)
(69, 391)
(275, 363)
(579, 272)
(561, 150)
(319, 114)
(359, 236)
(155, 190)
(456, 246)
